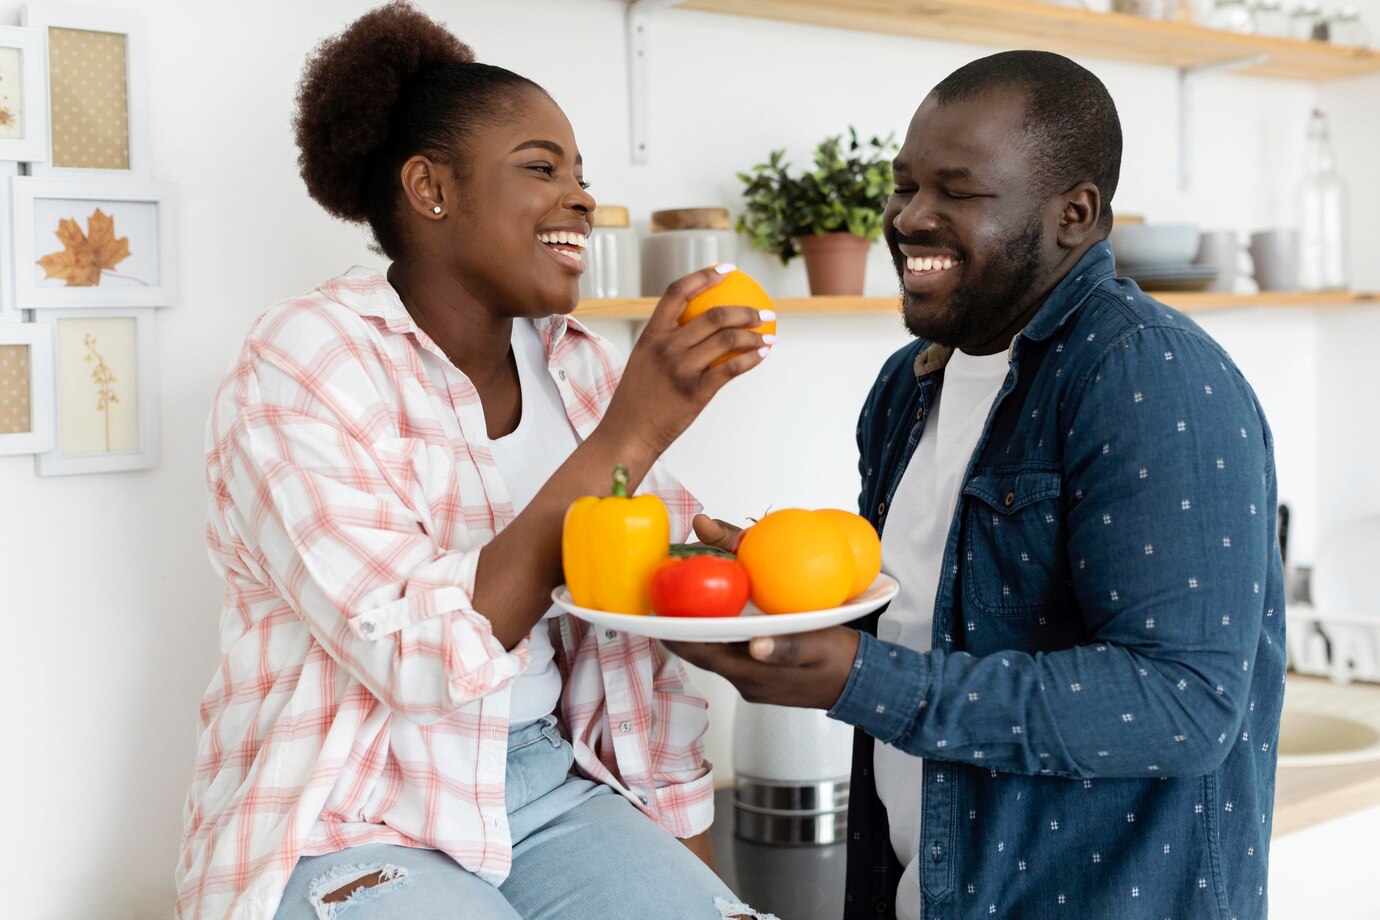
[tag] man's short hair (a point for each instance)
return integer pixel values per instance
(1071, 122)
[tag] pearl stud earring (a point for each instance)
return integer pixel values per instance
(436, 209)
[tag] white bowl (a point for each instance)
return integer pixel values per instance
(1147, 245)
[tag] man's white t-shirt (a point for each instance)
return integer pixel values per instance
(526, 458)
(922, 510)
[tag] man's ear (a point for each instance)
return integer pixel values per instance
(1080, 210)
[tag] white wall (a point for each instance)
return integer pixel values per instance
(108, 602)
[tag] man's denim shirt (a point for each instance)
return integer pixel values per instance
(1100, 708)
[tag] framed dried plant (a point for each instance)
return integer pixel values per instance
(26, 388)
(97, 92)
(94, 244)
(23, 96)
(105, 391)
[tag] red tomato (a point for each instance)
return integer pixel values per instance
(699, 586)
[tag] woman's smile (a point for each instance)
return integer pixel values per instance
(567, 247)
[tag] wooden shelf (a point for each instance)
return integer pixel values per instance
(639, 308)
(1074, 32)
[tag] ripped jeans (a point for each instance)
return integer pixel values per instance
(580, 852)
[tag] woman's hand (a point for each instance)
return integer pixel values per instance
(669, 379)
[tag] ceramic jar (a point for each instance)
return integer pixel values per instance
(613, 263)
(682, 241)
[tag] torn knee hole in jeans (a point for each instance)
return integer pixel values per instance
(345, 885)
(737, 910)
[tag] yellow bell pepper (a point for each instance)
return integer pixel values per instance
(609, 547)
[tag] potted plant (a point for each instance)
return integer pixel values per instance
(831, 215)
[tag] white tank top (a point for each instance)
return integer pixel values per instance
(526, 458)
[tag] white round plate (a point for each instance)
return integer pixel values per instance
(747, 625)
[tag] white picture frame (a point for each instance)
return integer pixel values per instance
(23, 63)
(9, 311)
(36, 340)
(65, 156)
(80, 391)
(41, 209)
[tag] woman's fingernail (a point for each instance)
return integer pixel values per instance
(724, 268)
(764, 351)
(769, 339)
(767, 316)
(762, 647)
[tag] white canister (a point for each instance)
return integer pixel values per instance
(613, 265)
(682, 241)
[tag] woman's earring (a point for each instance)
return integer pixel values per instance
(436, 209)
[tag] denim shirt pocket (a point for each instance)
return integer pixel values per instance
(1014, 557)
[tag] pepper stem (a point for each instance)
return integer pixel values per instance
(620, 481)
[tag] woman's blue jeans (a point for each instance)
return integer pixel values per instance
(580, 852)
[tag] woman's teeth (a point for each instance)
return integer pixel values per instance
(567, 242)
(937, 264)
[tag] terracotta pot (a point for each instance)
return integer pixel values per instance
(835, 262)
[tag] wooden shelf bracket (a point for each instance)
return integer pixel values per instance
(635, 23)
(1187, 76)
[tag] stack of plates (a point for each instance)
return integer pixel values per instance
(1184, 277)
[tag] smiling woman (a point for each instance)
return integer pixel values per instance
(402, 724)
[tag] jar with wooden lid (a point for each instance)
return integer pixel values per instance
(612, 262)
(684, 240)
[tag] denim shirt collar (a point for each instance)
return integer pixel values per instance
(1097, 265)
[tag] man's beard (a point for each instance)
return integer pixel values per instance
(976, 313)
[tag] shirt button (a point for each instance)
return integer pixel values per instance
(625, 727)
(881, 509)
(1009, 500)
(560, 374)
(368, 627)
(883, 906)
(642, 799)
(919, 413)
(610, 634)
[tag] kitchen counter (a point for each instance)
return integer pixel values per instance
(1305, 796)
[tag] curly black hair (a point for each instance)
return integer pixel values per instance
(394, 84)
(1071, 122)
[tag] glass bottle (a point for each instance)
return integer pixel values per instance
(1322, 230)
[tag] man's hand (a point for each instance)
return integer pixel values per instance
(717, 533)
(808, 670)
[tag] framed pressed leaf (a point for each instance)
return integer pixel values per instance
(23, 96)
(105, 390)
(26, 388)
(97, 92)
(94, 244)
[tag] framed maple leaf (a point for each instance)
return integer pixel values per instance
(97, 92)
(23, 96)
(105, 391)
(26, 388)
(94, 244)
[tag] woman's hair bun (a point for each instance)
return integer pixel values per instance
(347, 93)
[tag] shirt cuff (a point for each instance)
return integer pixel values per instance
(686, 809)
(885, 691)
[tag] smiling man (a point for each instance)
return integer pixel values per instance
(1071, 707)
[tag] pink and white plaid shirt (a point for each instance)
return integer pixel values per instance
(360, 697)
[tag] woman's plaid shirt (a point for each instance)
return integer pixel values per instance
(360, 697)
